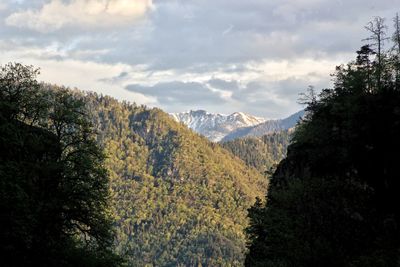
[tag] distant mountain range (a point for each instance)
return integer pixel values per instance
(216, 126)
(219, 127)
(267, 127)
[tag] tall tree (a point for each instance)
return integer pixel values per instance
(333, 201)
(396, 48)
(54, 188)
(377, 28)
(396, 34)
(364, 65)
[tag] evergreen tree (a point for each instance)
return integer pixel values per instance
(177, 198)
(262, 153)
(333, 201)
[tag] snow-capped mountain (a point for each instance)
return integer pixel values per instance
(216, 126)
(267, 127)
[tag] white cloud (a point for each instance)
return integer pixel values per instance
(84, 75)
(265, 51)
(80, 13)
(3, 6)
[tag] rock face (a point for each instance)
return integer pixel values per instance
(219, 127)
(216, 126)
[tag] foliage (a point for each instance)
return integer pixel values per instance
(334, 200)
(262, 153)
(177, 198)
(54, 188)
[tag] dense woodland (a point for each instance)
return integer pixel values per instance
(334, 200)
(111, 176)
(90, 181)
(178, 199)
(262, 153)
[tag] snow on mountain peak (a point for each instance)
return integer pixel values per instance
(215, 126)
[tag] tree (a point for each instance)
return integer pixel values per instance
(396, 34)
(364, 64)
(54, 186)
(396, 48)
(333, 201)
(377, 28)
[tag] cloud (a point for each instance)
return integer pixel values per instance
(266, 96)
(176, 92)
(224, 56)
(74, 73)
(116, 79)
(80, 13)
(221, 84)
(3, 6)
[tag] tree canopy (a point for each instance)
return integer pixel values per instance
(262, 153)
(177, 198)
(334, 200)
(54, 187)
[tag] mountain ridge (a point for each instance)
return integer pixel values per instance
(215, 126)
(178, 199)
(220, 127)
(267, 127)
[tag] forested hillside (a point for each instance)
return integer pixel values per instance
(262, 153)
(89, 180)
(334, 200)
(178, 199)
(173, 197)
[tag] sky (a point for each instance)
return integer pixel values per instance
(223, 56)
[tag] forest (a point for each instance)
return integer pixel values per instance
(87, 180)
(160, 194)
(333, 201)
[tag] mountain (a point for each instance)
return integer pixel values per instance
(177, 198)
(266, 127)
(262, 153)
(215, 126)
